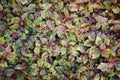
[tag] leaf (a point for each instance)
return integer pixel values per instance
(2, 40)
(41, 62)
(117, 67)
(36, 50)
(116, 10)
(103, 66)
(9, 72)
(59, 69)
(87, 43)
(72, 37)
(85, 59)
(31, 7)
(63, 42)
(8, 49)
(3, 64)
(37, 44)
(15, 26)
(55, 15)
(19, 67)
(98, 40)
(1, 7)
(37, 21)
(24, 16)
(14, 20)
(46, 6)
(94, 52)
(80, 48)
(97, 77)
(107, 41)
(63, 50)
(83, 78)
(24, 2)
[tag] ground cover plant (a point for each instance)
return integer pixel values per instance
(59, 39)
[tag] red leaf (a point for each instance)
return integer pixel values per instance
(112, 62)
(8, 51)
(15, 35)
(102, 48)
(80, 31)
(21, 21)
(4, 28)
(118, 40)
(50, 44)
(52, 8)
(67, 18)
(26, 78)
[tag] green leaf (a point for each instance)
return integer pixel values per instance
(117, 67)
(9, 72)
(24, 16)
(97, 77)
(85, 59)
(63, 50)
(15, 26)
(36, 50)
(103, 66)
(87, 43)
(72, 37)
(32, 7)
(34, 72)
(2, 41)
(14, 20)
(80, 48)
(1, 7)
(46, 6)
(41, 62)
(3, 64)
(116, 10)
(37, 44)
(23, 36)
(37, 21)
(83, 78)
(107, 41)
(55, 15)
(94, 52)
(19, 67)
(24, 2)
(98, 40)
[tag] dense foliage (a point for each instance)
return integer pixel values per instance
(59, 39)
